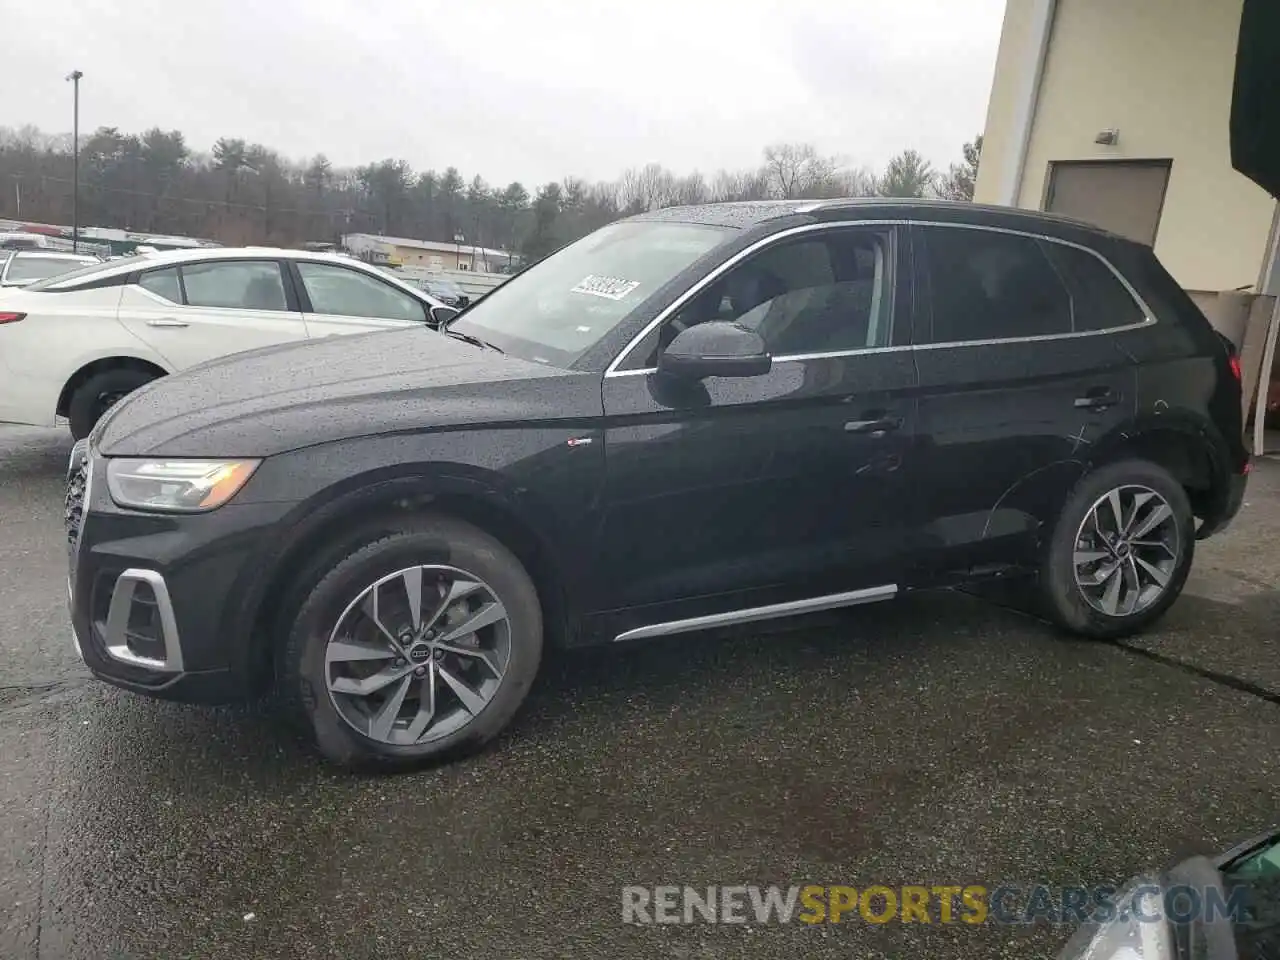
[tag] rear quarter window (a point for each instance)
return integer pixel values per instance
(163, 283)
(1100, 300)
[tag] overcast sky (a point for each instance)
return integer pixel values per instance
(512, 89)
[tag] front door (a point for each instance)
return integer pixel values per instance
(208, 309)
(734, 492)
(1017, 382)
(340, 300)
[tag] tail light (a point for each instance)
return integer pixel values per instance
(1234, 363)
(10, 317)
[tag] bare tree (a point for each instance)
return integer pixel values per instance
(740, 185)
(856, 182)
(798, 170)
(647, 188)
(691, 189)
(785, 163)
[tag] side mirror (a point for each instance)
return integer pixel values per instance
(442, 315)
(717, 348)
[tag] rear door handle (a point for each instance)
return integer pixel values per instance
(877, 427)
(167, 322)
(1099, 398)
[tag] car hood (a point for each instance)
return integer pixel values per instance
(266, 401)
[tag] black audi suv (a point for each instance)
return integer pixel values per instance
(696, 417)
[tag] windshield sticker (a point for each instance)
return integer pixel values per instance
(611, 288)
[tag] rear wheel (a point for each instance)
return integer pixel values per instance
(1120, 552)
(418, 647)
(99, 394)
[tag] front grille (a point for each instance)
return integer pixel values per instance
(73, 503)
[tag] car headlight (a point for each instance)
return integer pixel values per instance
(1136, 930)
(179, 486)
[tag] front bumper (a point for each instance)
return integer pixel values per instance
(159, 602)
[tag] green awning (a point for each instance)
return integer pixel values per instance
(1255, 103)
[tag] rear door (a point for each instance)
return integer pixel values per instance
(338, 299)
(200, 311)
(1018, 378)
(735, 492)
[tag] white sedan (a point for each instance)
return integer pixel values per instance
(74, 344)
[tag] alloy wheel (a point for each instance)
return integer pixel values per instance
(1126, 551)
(418, 655)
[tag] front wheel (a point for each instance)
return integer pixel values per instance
(418, 647)
(100, 393)
(1120, 552)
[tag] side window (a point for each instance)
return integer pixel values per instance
(991, 286)
(349, 293)
(1101, 300)
(815, 294)
(163, 283)
(239, 284)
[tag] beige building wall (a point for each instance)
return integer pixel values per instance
(1159, 71)
(1015, 63)
(434, 259)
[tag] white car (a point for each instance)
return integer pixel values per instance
(32, 241)
(74, 344)
(21, 267)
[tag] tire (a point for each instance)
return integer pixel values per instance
(99, 393)
(1067, 603)
(427, 543)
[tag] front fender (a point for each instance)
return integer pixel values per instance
(530, 476)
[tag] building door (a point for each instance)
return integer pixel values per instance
(1123, 196)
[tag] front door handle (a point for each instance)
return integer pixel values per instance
(167, 322)
(1099, 398)
(876, 427)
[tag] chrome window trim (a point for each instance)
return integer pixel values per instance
(612, 370)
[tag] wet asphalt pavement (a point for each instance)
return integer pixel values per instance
(935, 740)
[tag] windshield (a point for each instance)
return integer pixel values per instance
(25, 267)
(558, 309)
(86, 273)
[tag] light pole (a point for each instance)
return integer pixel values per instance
(457, 242)
(74, 76)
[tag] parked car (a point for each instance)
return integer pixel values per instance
(1224, 907)
(18, 240)
(74, 344)
(22, 267)
(446, 291)
(699, 417)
